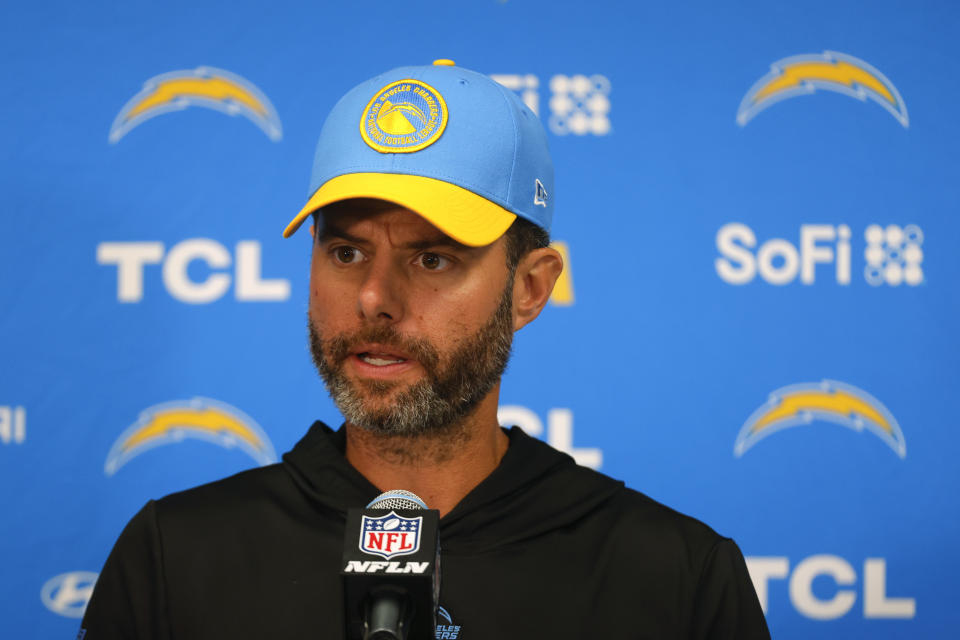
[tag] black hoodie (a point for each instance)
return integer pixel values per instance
(542, 548)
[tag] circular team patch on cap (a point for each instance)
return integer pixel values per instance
(404, 116)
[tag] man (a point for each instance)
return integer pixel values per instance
(431, 206)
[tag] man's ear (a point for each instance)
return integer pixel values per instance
(533, 283)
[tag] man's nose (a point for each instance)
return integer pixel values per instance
(381, 293)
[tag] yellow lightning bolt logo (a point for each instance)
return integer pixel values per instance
(204, 87)
(827, 401)
(562, 295)
(403, 117)
(200, 419)
(831, 71)
(391, 118)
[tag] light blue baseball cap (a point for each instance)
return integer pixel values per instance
(450, 144)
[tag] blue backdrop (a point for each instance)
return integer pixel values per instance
(757, 325)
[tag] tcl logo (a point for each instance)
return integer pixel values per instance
(876, 602)
(132, 258)
(559, 431)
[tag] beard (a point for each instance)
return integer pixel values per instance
(453, 386)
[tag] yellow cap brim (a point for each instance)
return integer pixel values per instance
(461, 214)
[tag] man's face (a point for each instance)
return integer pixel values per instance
(408, 328)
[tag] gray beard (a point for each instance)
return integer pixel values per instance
(436, 405)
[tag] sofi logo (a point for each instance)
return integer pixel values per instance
(779, 261)
(579, 104)
(131, 259)
(892, 256)
(836, 601)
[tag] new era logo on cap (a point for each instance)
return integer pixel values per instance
(540, 196)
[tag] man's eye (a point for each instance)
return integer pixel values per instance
(433, 261)
(347, 255)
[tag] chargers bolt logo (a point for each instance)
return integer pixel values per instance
(200, 419)
(201, 87)
(446, 629)
(390, 535)
(404, 116)
(804, 74)
(827, 401)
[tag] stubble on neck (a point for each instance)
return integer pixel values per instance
(410, 450)
(438, 447)
(440, 467)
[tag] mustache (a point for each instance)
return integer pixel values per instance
(339, 347)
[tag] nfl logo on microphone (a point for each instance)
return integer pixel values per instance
(390, 535)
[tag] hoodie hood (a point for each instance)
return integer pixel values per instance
(534, 490)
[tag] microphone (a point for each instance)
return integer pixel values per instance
(391, 569)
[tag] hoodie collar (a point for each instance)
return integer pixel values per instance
(534, 489)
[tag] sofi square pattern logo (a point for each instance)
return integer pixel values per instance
(893, 255)
(578, 105)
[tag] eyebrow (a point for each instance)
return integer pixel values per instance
(330, 231)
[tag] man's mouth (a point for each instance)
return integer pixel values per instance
(384, 357)
(380, 360)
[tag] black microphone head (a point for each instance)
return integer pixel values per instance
(397, 499)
